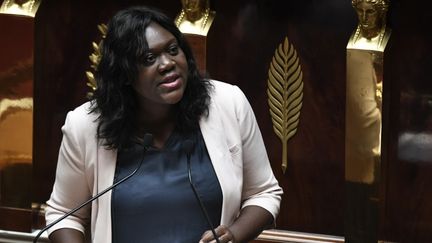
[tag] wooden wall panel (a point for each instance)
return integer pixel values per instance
(314, 180)
(406, 214)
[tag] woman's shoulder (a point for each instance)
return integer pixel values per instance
(218, 85)
(223, 89)
(81, 117)
(226, 92)
(84, 111)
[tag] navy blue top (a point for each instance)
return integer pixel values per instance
(157, 204)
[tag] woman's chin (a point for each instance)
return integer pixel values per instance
(173, 99)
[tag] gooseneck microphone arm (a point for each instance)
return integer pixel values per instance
(188, 147)
(147, 141)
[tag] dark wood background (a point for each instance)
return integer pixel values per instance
(240, 46)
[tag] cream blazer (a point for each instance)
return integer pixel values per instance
(233, 141)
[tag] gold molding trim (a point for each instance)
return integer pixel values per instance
(285, 94)
(94, 59)
(296, 237)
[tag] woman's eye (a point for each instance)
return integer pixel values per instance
(149, 59)
(173, 50)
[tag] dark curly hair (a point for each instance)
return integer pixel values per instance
(114, 99)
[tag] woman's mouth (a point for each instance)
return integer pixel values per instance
(171, 81)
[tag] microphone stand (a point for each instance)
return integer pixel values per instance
(147, 140)
(188, 146)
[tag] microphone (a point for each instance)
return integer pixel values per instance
(188, 146)
(147, 141)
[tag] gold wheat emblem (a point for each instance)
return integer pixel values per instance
(285, 94)
(94, 59)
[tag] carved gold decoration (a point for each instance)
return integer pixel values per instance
(94, 59)
(285, 94)
(203, 24)
(25, 8)
(196, 17)
(371, 32)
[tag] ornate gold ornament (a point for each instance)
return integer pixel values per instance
(371, 32)
(24, 8)
(94, 59)
(285, 94)
(195, 17)
(180, 18)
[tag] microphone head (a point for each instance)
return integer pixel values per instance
(147, 140)
(188, 146)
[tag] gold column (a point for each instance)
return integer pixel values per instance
(16, 112)
(364, 88)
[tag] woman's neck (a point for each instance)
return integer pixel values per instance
(158, 121)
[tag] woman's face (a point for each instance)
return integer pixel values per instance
(163, 73)
(368, 15)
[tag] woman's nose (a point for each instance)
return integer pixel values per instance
(165, 63)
